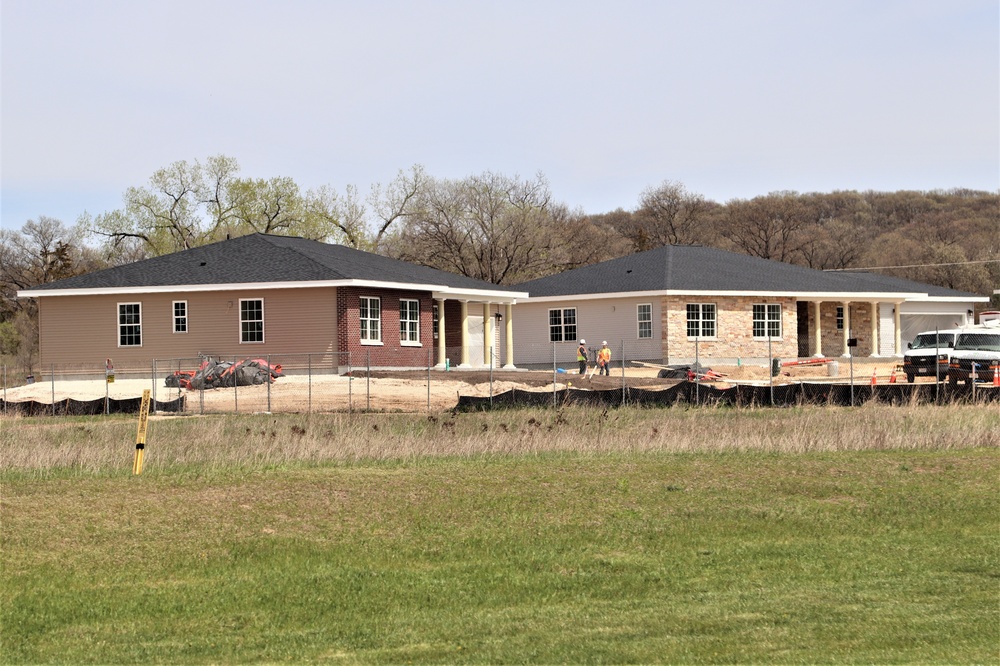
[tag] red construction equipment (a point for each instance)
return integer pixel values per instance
(806, 361)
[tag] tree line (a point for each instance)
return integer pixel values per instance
(503, 229)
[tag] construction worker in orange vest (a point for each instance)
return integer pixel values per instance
(604, 359)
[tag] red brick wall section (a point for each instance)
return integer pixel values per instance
(390, 353)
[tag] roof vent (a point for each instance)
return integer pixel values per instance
(203, 263)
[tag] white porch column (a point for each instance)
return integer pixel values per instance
(818, 332)
(487, 335)
(898, 350)
(847, 326)
(465, 335)
(875, 351)
(442, 344)
(508, 315)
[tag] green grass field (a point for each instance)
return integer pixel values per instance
(683, 536)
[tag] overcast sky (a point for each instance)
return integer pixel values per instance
(732, 98)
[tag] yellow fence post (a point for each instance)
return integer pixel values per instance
(140, 438)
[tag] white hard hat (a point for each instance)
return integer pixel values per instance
(582, 341)
(604, 342)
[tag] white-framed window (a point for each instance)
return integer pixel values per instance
(436, 317)
(562, 325)
(130, 324)
(251, 320)
(180, 316)
(701, 320)
(409, 321)
(370, 316)
(840, 317)
(644, 318)
(767, 320)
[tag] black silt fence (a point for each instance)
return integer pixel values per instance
(71, 407)
(784, 395)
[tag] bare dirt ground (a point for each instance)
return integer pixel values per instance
(405, 391)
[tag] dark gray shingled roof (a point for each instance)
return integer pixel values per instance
(265, 258)
(683, 268)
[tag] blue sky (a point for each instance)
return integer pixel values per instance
(732, 98)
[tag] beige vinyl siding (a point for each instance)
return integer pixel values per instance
(295, 321)
(612, 319)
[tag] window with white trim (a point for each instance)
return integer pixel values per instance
(180, 317)
(251, 320)
(409, 320)
(562, 325)
(644, 318)
(767, 320)
(840, 317)
(370, 317)
(436, 317)
(130, 324)
(701, 320)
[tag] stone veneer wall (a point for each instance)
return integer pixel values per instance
(734, 329)
(832, 337)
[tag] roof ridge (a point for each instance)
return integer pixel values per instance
(271, 238)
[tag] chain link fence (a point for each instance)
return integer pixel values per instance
(424, 380)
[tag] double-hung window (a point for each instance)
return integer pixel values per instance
(180, 317)
(130, 324)
(644, 317)
(370, 317)
(701, 320)
(562, 325)
(409, 321)
(767, 320)
(251, 320)
(840, 317)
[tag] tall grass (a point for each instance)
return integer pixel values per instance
(106, 444)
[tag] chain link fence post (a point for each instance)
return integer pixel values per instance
(697, 371)
(554, 373)
(770, 368)
(236, 395)
(622, 357)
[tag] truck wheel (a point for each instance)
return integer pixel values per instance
(909, 379)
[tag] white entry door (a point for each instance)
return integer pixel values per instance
(476, 340)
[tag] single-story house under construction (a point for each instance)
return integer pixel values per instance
(663, 302)
(263, 294)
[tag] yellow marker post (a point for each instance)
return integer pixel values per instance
(140, 438)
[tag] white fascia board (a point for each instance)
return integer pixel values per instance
(952, 299)
(802, 296)
(479, 295)
(446, 292)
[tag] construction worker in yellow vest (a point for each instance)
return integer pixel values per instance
(604, 359)
(581, 356)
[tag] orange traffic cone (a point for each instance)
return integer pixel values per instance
(874, 380)
(996, 375)
(892, 376)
